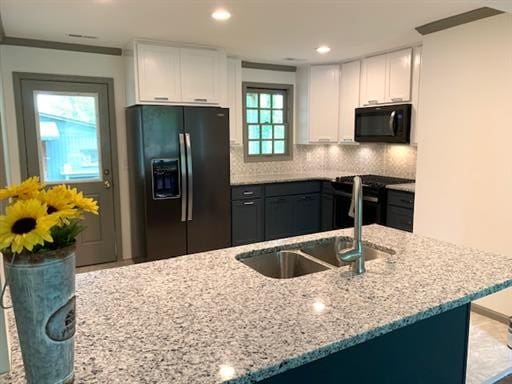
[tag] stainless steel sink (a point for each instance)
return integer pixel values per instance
(283, 264)
(327, 253)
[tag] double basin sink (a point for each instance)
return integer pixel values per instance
(306, 258)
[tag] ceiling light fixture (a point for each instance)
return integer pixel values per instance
(221, 15)
(323, 49)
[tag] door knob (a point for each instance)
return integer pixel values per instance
(107, 184)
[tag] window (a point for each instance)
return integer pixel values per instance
(267, 121)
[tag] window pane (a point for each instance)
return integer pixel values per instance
(251, 100)
(252, 115)
(266, 131)
(264, 100)
(277, 117)
(254, 132)
(264, 116)
(277, 101)
(266, 147)
(254, 147)
(278, 131)
(68, 137)
(279, 146)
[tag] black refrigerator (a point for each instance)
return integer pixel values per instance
(179, 180)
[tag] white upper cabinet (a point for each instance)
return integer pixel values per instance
(349, 99)
(399, 76)
(373, 80)
(234, 100)
(318, 99)
(201, 75)
(415, 98)
(158, 73)
(386, 78)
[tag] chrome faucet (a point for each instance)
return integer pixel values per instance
(355, 253)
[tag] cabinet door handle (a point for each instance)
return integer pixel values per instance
(249, 203)
(248, 193)
(324, 140)
(373, 101)
(201, 100)
(160, 98)
(396, 99)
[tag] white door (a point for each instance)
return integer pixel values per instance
(324, 103)
(349, 99)
(200, 82)
(399, 76)
(158, 70)
(373, 80)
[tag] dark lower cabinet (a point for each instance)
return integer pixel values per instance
(306, 214)
(247, 221)
(275, 211)
(327, 204)
(400, 210)
(278, 217)
(430, 351)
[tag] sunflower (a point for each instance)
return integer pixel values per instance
(86, 204)
(59, 201)
(26, 224)
(26, 190)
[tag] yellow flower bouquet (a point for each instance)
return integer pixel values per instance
(40, 219)
(37, 238)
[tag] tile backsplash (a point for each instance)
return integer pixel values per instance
(381, 159)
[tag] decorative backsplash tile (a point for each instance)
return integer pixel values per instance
(381, 159)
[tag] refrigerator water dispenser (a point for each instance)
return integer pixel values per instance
(165, 175)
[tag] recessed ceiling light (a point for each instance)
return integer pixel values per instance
(323, 49)
(221, 15)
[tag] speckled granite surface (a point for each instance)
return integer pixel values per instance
(285, 177)
(408, 187)
(208, 318)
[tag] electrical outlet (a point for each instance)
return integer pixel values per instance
(308, 156)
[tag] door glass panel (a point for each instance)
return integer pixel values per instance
(68, 136)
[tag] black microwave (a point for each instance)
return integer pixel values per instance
(383, 124)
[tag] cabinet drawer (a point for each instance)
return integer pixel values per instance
(400, 218)
(401, 199)
(246, 192)
(295, 188)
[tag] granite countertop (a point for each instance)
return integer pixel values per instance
(407, 187)
(286, 177)
(207, 318)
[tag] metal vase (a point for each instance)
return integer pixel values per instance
(42, 290)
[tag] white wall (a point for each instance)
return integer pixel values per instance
(464, 164)
(36, 60)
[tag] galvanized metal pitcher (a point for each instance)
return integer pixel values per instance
(42, 290)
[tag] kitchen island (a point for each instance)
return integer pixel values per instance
(208, 318)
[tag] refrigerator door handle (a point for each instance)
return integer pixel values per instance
(183, 181)
(190, 191)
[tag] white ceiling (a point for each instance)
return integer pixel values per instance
(259, 30)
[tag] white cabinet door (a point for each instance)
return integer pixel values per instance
(200, 76)
(399, 76)
(158, 70)
(234, 100)
(349, 99)
(415, 97)
(373, 80)
(324, 103)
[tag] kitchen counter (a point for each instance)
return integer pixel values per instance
(287, 177)
(207, 318)
(407, 187)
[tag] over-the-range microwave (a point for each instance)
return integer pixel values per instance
(383, 124)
